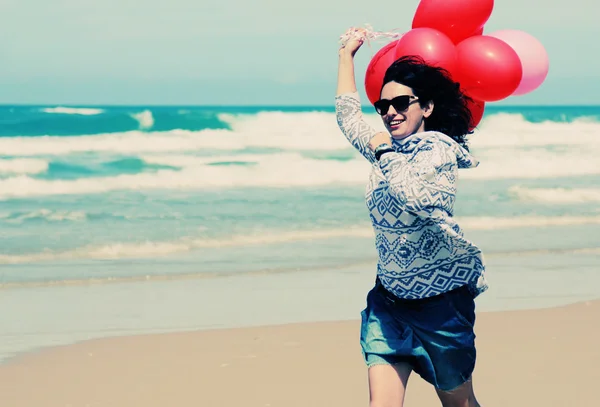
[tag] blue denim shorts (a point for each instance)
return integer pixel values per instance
(434, 335)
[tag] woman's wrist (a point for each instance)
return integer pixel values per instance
(378, 139)
(346, 56)
(382, 149)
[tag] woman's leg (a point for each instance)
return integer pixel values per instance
(387, 384)
(462, 396)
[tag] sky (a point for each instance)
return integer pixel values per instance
(240, 52)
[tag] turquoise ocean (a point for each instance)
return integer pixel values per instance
(195, 215)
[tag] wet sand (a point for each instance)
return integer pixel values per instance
(545, 357)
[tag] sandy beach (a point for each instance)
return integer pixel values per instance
(544, 357)
(190, 217)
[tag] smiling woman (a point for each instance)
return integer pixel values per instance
(420, 314)
(442, 107)
(398, 125)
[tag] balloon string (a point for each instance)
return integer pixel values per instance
(367, 34)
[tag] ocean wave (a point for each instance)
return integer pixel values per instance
(511, 130)
(285, 170)
(23, 166)
(310, 131)
(319, 131)
(367, 262)
(130, 142)
(43, 214)
(497, 223)
(65, 122)
(274, 149)
(152, 249)
(56, 215)
(507, 123)
(73, 110)
(516, 163)
(567, 196)
(145, 119)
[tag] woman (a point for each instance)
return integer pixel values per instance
(420, 314)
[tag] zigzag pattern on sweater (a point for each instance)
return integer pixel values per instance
(410, 197)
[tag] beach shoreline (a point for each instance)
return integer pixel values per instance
(64, 314)
(540, 357)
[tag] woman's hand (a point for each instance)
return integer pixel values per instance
(352, 41)
(380, 138)
(355, 40)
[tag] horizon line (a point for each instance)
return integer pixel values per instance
(317, 105)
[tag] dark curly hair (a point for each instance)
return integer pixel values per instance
(450, 115)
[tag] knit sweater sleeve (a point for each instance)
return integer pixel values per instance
(424, 182)
(353, 125)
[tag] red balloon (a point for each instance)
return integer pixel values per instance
(487, 68)
(477, 108)
(380, 62)
(458, 19)
(478, 32)
(434, 47)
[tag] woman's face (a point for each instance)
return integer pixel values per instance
(409, 118)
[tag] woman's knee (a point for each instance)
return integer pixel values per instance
(462, 396)
(387, 384)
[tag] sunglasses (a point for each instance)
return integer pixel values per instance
(400, 103)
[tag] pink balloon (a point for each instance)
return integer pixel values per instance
(533, 55)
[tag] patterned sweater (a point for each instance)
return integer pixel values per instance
(410, 197)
